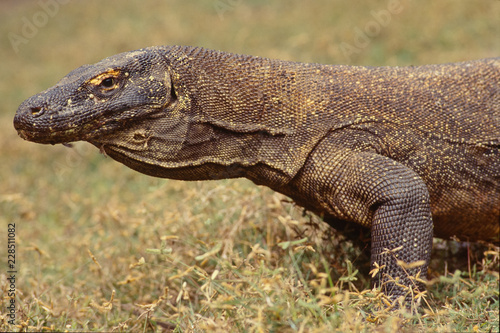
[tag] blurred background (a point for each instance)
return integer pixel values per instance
(67, 202)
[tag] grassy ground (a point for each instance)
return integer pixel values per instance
(103, 248)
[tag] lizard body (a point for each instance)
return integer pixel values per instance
(406, 151)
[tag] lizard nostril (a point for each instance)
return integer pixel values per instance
(36, 111)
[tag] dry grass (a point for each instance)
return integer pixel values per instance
(103, 248)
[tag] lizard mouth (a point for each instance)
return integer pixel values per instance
(54, 129)
(85, 132)
(49, 131)
(38, 124)
(45, 137)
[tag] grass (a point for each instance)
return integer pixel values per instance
(103, 248)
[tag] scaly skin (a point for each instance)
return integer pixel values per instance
(405, 151)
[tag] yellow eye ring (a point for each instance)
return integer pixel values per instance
(107, 80)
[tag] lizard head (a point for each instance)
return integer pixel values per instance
(97, 100)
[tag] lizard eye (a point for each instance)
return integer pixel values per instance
(108, 83)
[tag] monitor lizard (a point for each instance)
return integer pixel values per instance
(408, 152)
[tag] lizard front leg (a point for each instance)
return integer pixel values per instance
(356, 184)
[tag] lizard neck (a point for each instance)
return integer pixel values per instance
(240, 110)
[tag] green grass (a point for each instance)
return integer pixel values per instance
(103, 248)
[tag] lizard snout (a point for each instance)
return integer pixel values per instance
(31, 120)
(27, 112)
